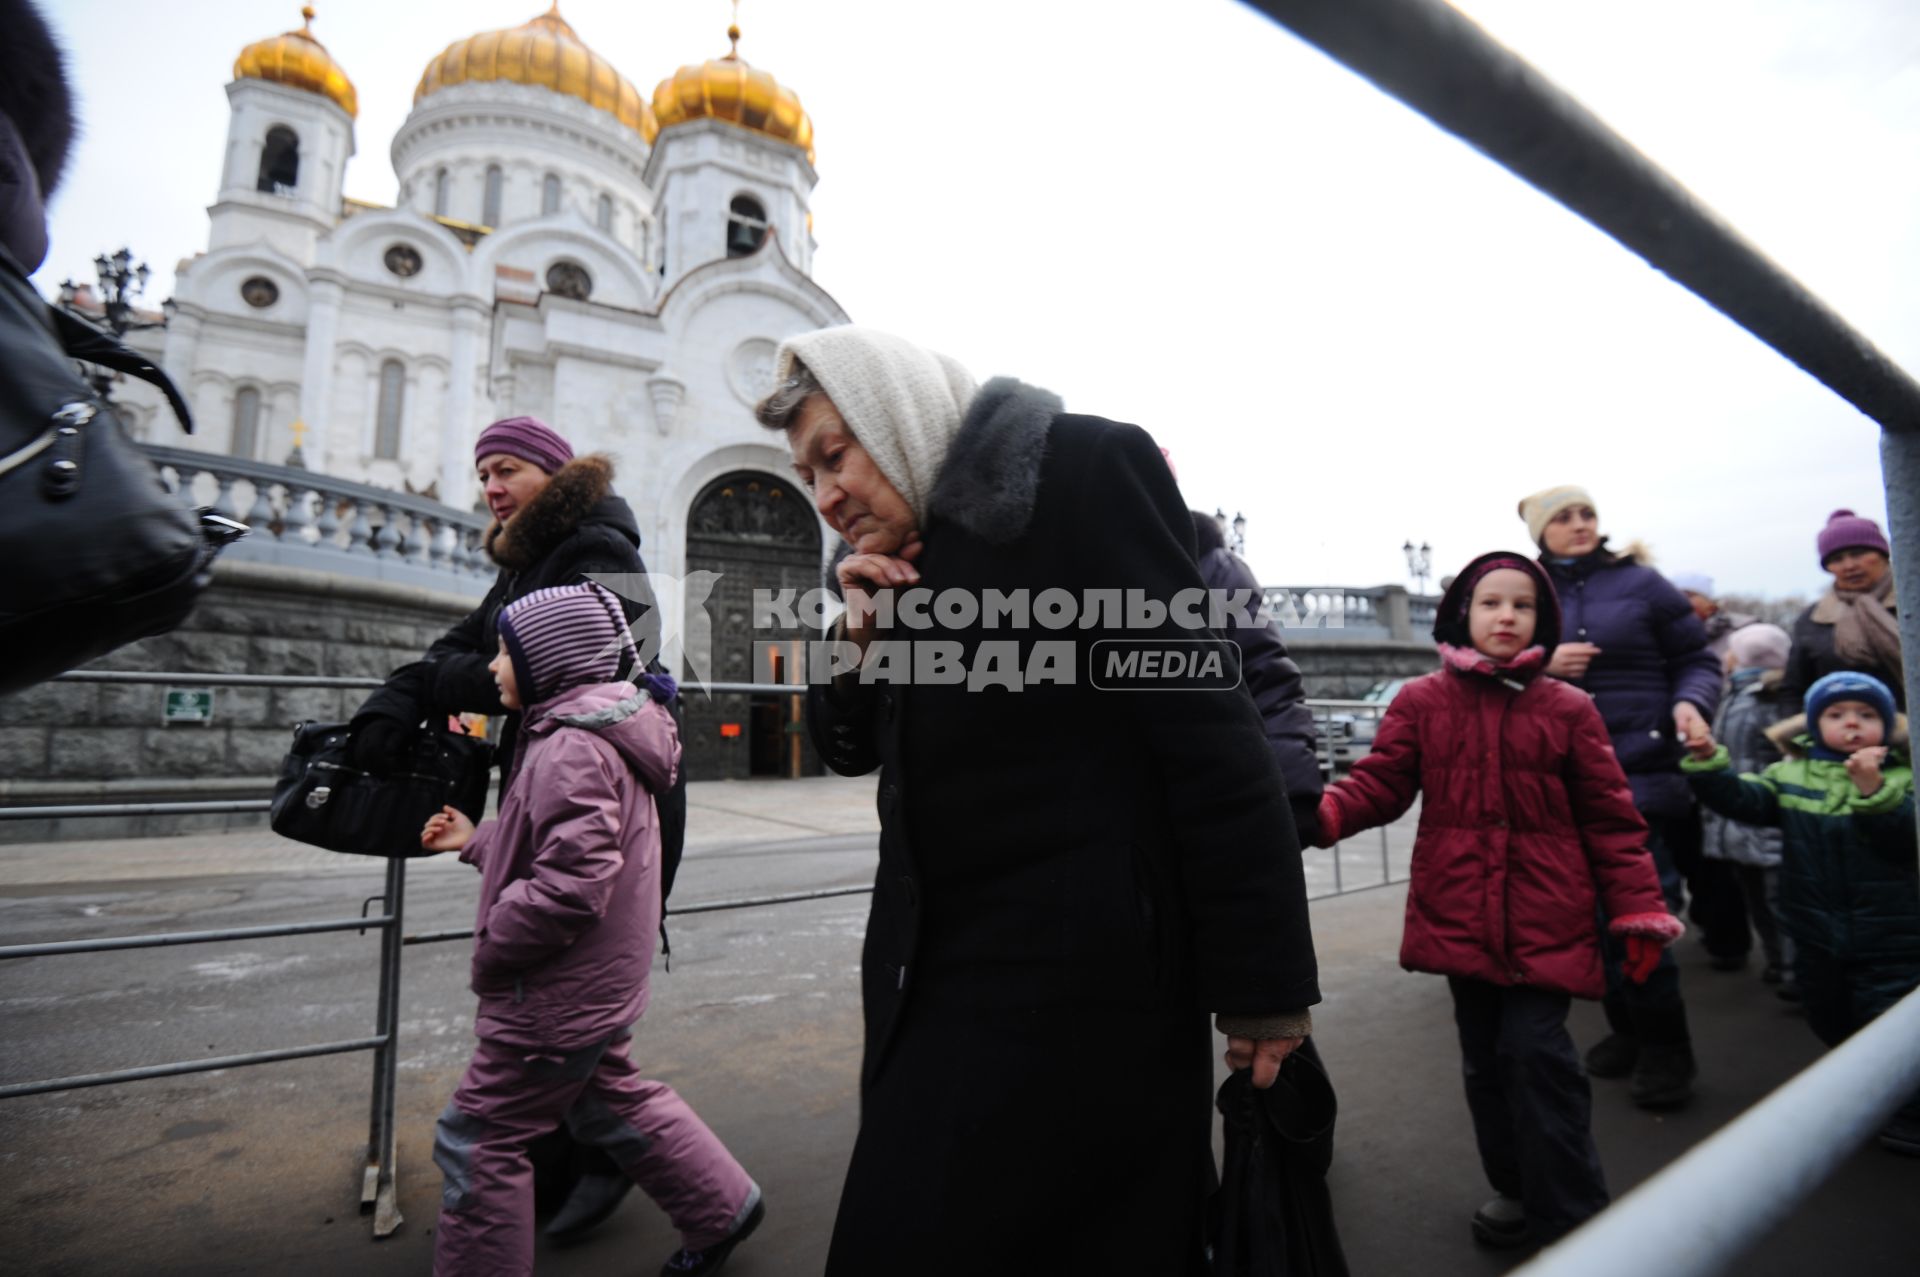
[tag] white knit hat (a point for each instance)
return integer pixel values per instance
(1538, 510)
(904, 403)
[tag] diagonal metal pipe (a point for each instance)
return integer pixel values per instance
(1437, 61)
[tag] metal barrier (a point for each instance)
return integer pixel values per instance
(1343, 732)
(379, 1192)
(1720, 1198)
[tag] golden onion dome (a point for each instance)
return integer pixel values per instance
(298, 61)
(727, 89)
(545, 52)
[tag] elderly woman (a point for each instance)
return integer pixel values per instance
(1853, 627)
(556, 521)
(1070, 879)
(1633, 642)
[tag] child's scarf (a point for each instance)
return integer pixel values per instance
(1515, 672)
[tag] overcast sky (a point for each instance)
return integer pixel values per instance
(1343, 322)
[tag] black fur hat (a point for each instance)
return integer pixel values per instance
(33, 90)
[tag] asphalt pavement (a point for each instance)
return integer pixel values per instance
(256, 1170)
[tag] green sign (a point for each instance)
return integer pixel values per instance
(189, 705)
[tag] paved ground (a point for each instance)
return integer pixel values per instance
(255, 1170)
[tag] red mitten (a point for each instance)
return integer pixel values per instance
(1643, 955)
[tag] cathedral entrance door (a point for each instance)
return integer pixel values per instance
(758, 532)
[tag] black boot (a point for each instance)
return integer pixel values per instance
(1663, 1076)
(1615, 1054)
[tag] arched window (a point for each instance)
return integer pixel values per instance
(440, 193)
(663, 244)
(393, 403)
(603, 213)
(746, 226)
(246, 424)
(490, 206)
(279, 162)
(549, 194)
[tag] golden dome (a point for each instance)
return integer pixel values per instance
(544, 52)
(728, 89)
(298, 61)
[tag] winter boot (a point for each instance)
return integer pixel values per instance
(698, 1263)
(1615, 1054)
(1502, 1224)
(1663, 1075)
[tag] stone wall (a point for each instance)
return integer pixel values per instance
(1343, 670)
(72, 743)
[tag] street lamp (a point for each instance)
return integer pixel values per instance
(1239, 534)
(121, 280)
(1419, 564)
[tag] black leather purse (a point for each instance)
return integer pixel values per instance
(321, 801)
(98, 553)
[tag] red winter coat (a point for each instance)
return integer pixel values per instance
(1526, 824)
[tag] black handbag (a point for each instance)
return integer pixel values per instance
(322, 801)
(98, 553)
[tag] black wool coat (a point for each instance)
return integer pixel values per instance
(1070, 880)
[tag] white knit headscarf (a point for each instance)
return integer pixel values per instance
(904, 403)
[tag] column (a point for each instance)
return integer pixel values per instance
(457, 431)
(316, 377)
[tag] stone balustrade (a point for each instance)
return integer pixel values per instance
(1353, 613)
(311, 521)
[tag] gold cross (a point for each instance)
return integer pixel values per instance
(299, 429)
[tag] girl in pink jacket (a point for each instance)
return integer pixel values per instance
(569, 908)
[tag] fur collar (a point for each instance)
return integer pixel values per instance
(991, 476)
(552, 516)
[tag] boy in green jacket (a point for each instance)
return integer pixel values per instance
(1849, 872)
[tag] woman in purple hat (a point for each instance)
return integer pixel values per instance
(1853, 627)
(556, 521)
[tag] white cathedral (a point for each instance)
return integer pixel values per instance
(560, 247)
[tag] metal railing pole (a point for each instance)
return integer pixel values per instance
(1900, 468)
(1721, 1197)
(379, 1192)
(1437, 61)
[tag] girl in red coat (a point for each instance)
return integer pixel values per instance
(1527, 829)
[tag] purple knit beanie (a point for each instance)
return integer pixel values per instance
(1846, 530)
(563, 637)
(527, 438)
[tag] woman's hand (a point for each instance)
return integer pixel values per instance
(1863, 766)
(447, 830)
(1570, 660)
(1691, 727)
(862, 577)
(1264, 1057)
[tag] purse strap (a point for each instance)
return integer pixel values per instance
(91, 345)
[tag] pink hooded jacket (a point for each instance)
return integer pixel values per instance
(570, 871)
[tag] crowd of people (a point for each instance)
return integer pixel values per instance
(1070, 882)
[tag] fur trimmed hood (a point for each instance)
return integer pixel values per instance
(580, 492)
(991, 476)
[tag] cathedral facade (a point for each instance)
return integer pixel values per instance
(561, 246)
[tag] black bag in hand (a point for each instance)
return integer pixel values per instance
(98, 553)
(322, 801)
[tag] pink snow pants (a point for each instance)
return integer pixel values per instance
(509, 1097)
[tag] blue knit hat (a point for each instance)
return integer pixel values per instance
(1846, 685)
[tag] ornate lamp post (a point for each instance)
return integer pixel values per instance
(121, 280)
(1235, 532)
(1419, 564)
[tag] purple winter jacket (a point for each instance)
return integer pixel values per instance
(570, 871)
(1653, 654)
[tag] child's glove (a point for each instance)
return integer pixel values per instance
(1643, 955)
(1645, 935)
